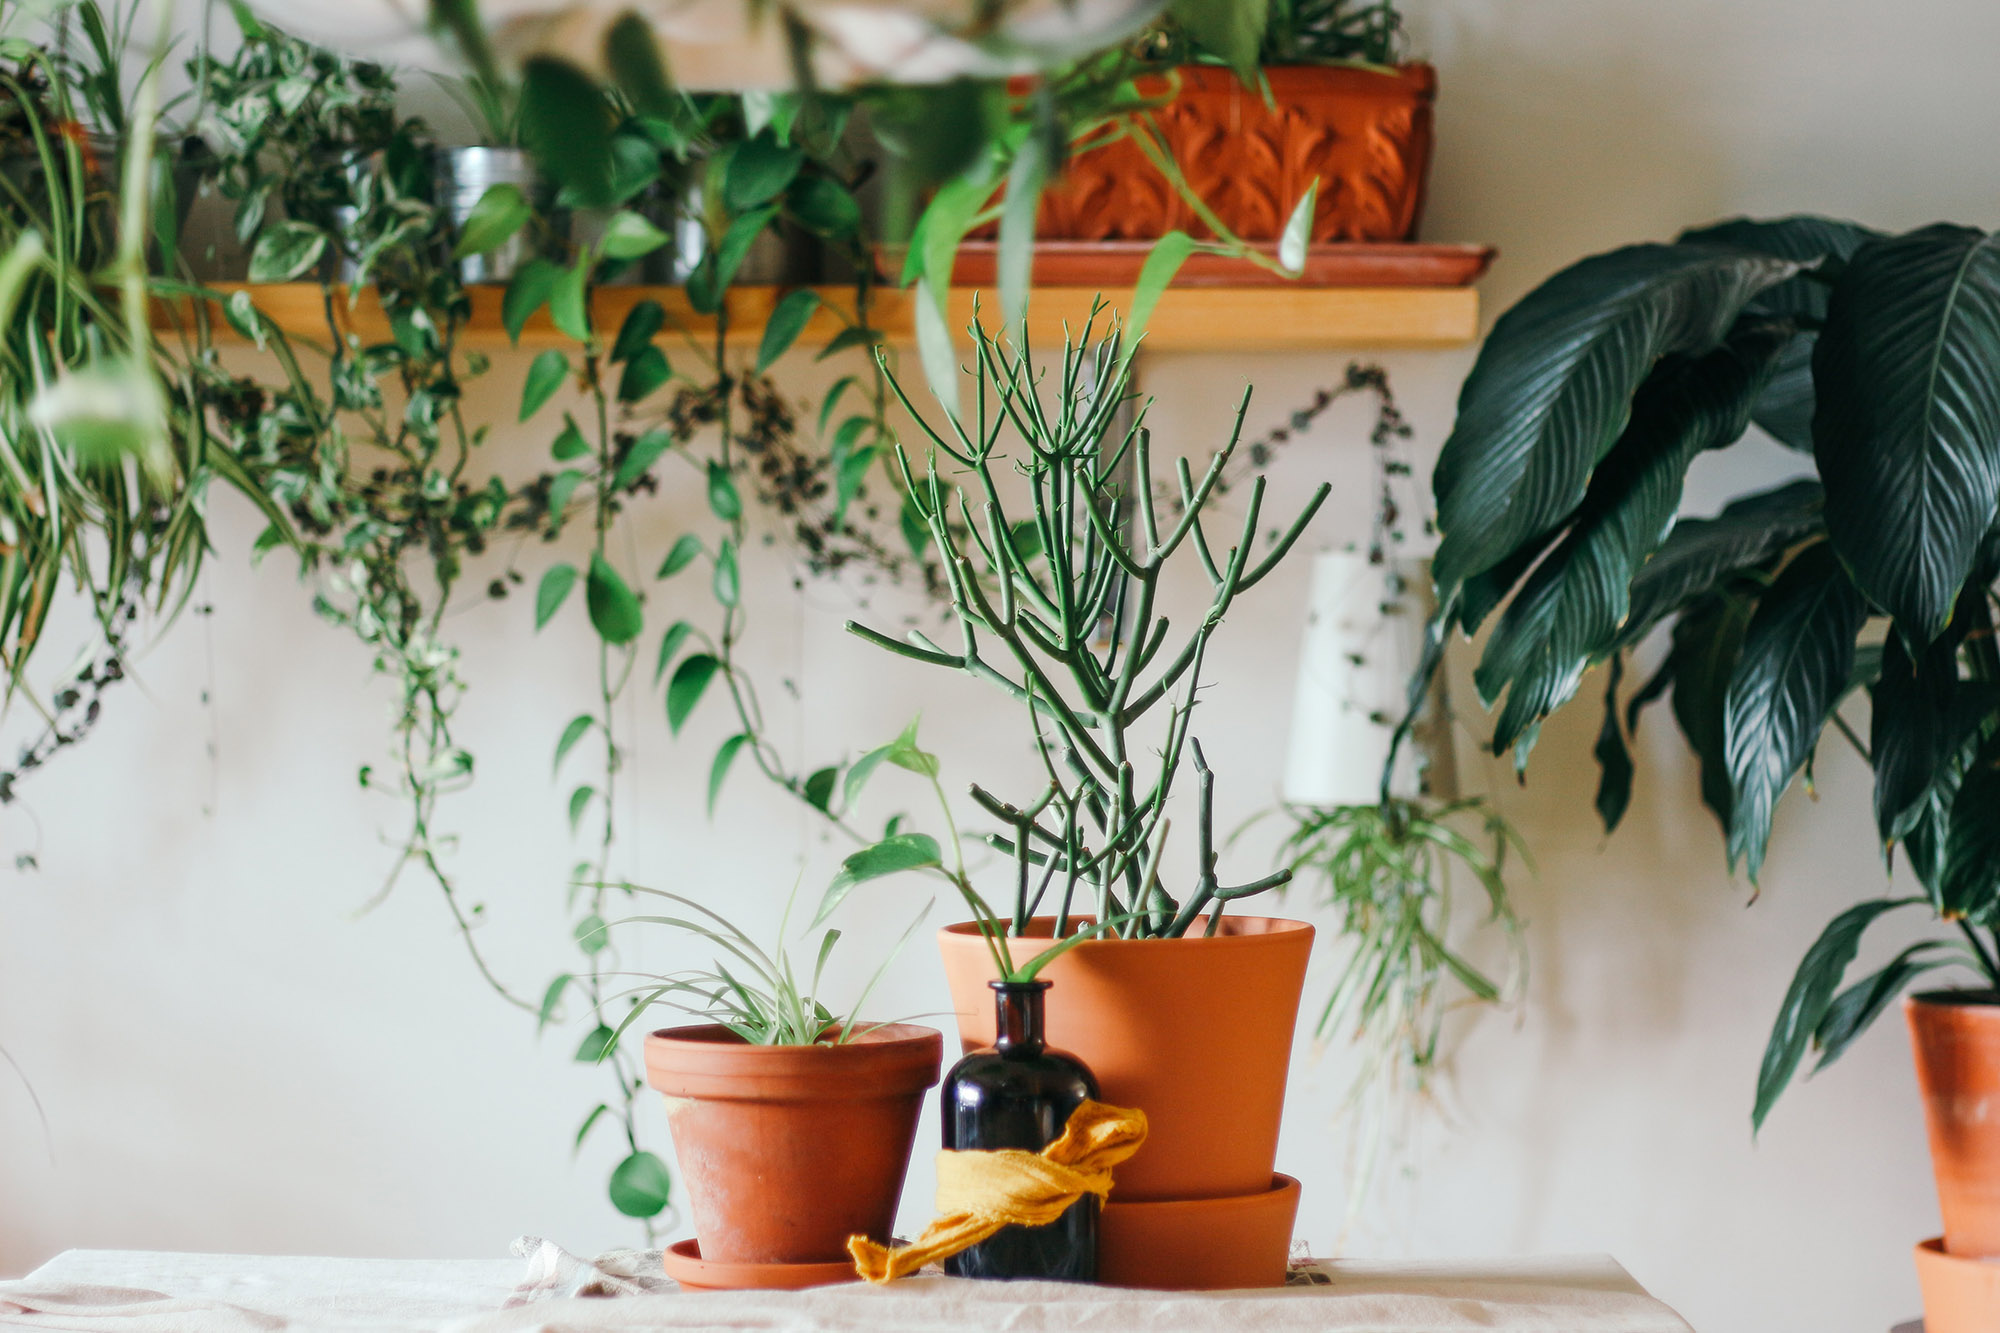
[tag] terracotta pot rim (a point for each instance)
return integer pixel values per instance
(1972, 998)
(1281, 1185)
(892, 1059)
(1278, 927)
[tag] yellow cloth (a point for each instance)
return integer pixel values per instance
(981, 1192)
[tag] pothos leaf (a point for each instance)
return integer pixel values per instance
(722, 495)
(571, 734)
(545, 375)
(614, 608)
(670, 643)
(718, 770)
(684, 691)
(788, 320)
(552, 590)
(727, 580)
(640, 1186)
(899, 852)
(685, 549)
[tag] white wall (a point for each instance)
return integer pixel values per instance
(231, 1060)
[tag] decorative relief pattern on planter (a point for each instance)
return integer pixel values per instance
(1365, 135)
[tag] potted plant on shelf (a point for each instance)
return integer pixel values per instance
(1058, 609)
(1557, 494)
(1249, 120)
(792, 1124)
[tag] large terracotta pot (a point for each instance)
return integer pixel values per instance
(1365, 135)
(1197, 1033)
(1956, 1036)
(786, 1151)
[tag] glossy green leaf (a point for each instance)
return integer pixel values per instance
(501, 211)
(670, 643)
(759, 171)
(1700, 553)
(684, 551)
(1614, 760)
(722, 495)
(1785, 407)
(597, 1113)
(1571, 609)
(852, 472)
(639, 460)
(546, 374)
(526, 293)
(286, 250)
(1794, 663)
(566, 123)
(896, 853)
(579, 801)
(550, 999)
(1968, 878)
(1163, 262)
(574, 732)
(569, 297)
(788, 320)
(644, 373)
(1808, 998)
(1229, 29)
(1907, 435)
(642, 322)
(818, 788)
(1552, 388)
(569, 444)
(640, 1186)
(599, 1040)
(1855, 1008)
(718, 770)
(1916, 725)
(1706, 642)
(629, 235)
(632, 55)
(614, 607)
(562, 487)
(684, 691)
(1018, 209)
(556, 582)
(727, 582)
(824, 206)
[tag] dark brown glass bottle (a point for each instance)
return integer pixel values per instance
(1017, 1093)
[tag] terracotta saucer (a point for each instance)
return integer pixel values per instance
(685, 1265)
(1199, 1244)
(1961, 1294)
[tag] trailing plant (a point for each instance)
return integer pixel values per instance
(1251, 36)
(1558, 494)
(105, 456)
(1066, 595)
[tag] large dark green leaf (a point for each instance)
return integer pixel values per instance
(1794, 665)
(566, 124)
(1706, 642)
(1785, 407)
(1968, 879)
(1907, 432)
(1702, 552)
(1569, 612)
(1553, 387)
(1614, 760)
(1912, 729)
(1862, 1003)
(1808, 998)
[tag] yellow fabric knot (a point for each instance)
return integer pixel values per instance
(981, 1192)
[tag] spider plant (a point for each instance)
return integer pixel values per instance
(759, 996)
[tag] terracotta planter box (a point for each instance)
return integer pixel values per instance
(1364, 134)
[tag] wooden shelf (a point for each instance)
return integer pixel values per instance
(1190, 319)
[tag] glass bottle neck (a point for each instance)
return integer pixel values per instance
(1017, 1014)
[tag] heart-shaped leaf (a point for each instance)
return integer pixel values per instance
(545, 375)
(614, 608)
(501, 211)
(552, 590)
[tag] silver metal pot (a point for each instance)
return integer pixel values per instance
(463, 176)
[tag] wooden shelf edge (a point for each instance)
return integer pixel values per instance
(1190, 319)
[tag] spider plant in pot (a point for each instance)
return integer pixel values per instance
(792, 1123)
(1057, 610)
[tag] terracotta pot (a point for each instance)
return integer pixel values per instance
(1956, 1037)
(1365, 135)
(685, 1265)
(1960, 1295)
(1197, 1033)
(1199, 1244)
(786, 1151)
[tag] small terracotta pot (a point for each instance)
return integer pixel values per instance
(1199, 1244)
(1956, 1038)
(1365, 135)
(1960, 1295)
(786, 1151)
(1197, 1033)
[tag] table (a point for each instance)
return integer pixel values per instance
(546, 1288)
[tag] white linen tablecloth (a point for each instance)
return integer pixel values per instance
(132, 1291)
